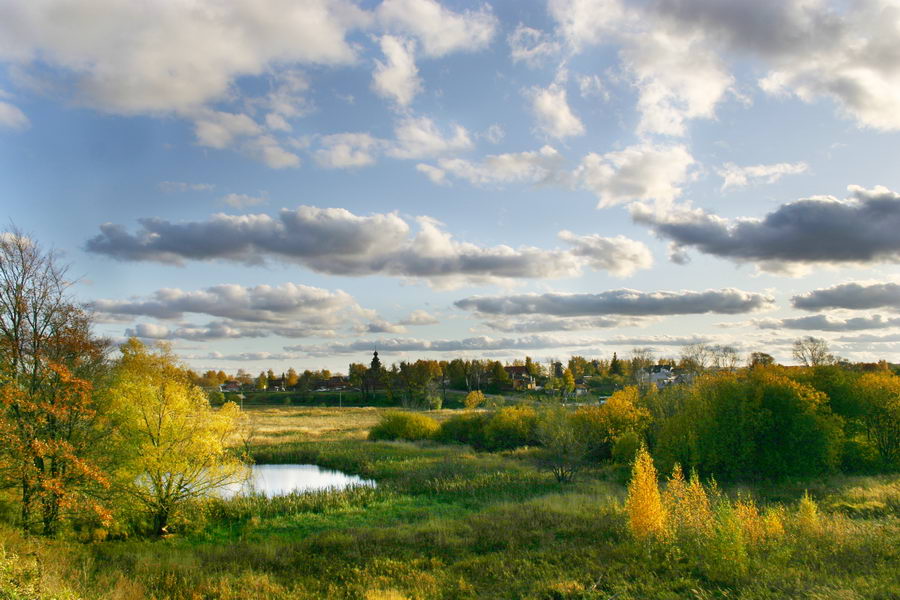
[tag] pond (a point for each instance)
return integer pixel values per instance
(280, 480)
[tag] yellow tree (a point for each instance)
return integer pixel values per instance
(880, 394)
(646, 513)
(174, 443)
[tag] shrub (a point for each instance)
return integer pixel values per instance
(625, 448)
(564, 450)
(397, 425)
(599, 426)
(512, 427)
(474, 399)
(464, 429)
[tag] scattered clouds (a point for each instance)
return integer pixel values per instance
(620, 302)
(440, 31)
(545, 324)
(243, 200)
(436, 175)
(347, 150)
(735, 176)
(555, 117)
(419, 137)
(540, 166)
(827, 323)
(532, 46)
(170, 187)
(641, 172)
(853, 296)
(382, 326)
(397, 78)
(818, 230)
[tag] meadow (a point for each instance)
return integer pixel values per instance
(448, 522)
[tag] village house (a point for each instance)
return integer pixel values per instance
(520, 378)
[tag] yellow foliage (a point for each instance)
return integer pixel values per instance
(474, 399)
(808, 517)
(687, 505)
(384, 595)
(773, 522)
(646, 513)
(752, 523)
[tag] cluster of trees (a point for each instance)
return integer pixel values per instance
(764, 421)
(89, 439)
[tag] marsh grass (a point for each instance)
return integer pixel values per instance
(447, 522)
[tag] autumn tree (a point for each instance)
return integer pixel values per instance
(172, 442)
(292, 378)
(880, 393)
(51, 435)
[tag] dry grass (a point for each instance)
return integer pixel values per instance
(272, 425)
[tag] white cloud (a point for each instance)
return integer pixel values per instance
(736, 176)
(268, 150)
(619, 255)
(643, 172)
(217, 129)
(397, 78)
(533, 167)
(419, 318)
(439, 30)
(12, 117)
(532, 46)
(436, 175)
(555, 117)
(347, 150)
(148, 58)
(419, 137)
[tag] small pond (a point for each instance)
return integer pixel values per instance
(279, 480)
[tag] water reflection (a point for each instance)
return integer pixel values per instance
(278, 480)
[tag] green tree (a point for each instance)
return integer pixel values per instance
(262, 382)
(173, 443)
(880, 394)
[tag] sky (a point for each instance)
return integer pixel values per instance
(280, 183)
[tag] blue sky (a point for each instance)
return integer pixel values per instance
(274, 184)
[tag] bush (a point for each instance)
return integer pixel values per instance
(396, 425)
(625, 448)
(464, 429)
(474, 399)
(859, 456)
(512, 427)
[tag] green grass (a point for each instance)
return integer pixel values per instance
(447, 522)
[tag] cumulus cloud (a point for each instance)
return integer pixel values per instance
(118, 63)
(347, 150)
(540, 166)
(641, 172)
(818, 230)
(473, 344)
(439, 30)
(619, 255)
(12, 117)
(735, 176)
(397, 78)
(382, 326)
(419, 137)
(196, 333)
(531, 46)
(436, 175)
(554, 115)
(827, 323)
(620, 302)
(853, 296)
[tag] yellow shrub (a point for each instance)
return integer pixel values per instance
(687, 505)
(752, 523)
(646, 513)
(808, 518)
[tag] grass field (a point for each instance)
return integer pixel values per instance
(446, 522)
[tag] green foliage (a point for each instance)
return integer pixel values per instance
(755, 424)
(599, 426)
(410, 426)
(467, 428)
(564, 450)
(474, 399)
(625, 447)
(512, 427)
